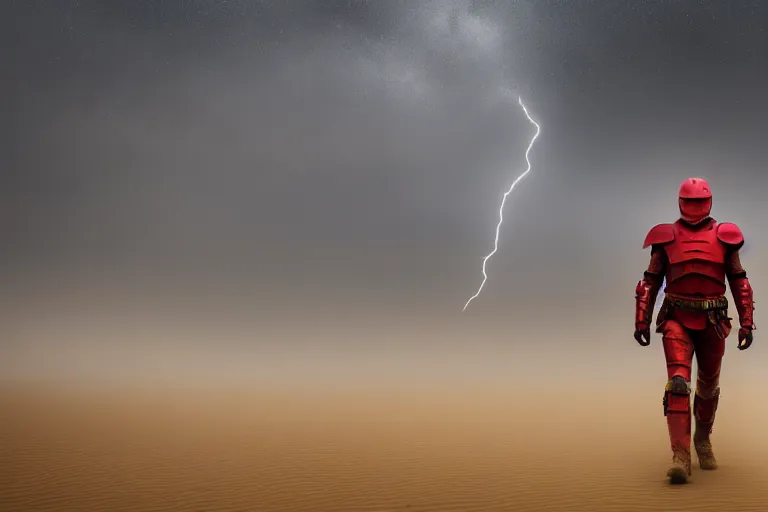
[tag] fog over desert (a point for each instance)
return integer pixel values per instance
(447, 418)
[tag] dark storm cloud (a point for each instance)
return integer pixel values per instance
(255, 141)
(306, 142)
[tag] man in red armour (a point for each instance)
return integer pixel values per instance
(696, 255)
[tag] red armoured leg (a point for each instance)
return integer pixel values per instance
(678, 350)
(710, 349)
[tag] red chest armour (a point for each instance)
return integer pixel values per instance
(695, 254)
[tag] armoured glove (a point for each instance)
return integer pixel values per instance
(643, 334)
(745, 338)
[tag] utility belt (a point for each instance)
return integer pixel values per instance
(716, 310)
(720, 303)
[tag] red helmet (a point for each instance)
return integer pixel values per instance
(695, 200)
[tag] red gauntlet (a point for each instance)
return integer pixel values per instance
(645, 299)
(741, 290)
(648, 289)
(745, 305)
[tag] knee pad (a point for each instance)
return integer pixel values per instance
(678, 385)
(677, 396)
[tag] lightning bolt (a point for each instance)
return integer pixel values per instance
(504, 200)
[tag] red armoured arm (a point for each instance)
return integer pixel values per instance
(741, 290)
(648, 288)
(730, 234)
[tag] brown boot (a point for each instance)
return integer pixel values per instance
(703, 446)
(681, 468)
(677, 409)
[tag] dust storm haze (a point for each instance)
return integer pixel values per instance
(294, 196)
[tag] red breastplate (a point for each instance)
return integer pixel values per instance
(696, 261)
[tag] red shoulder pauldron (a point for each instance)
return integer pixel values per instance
(730, 234)
(660, 234)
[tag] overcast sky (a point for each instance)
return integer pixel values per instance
(341, 156)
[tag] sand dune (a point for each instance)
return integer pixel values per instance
(494, 449)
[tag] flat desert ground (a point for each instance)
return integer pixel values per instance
(519, 447)
(416, 420)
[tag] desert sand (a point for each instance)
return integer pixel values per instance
(521, 446)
